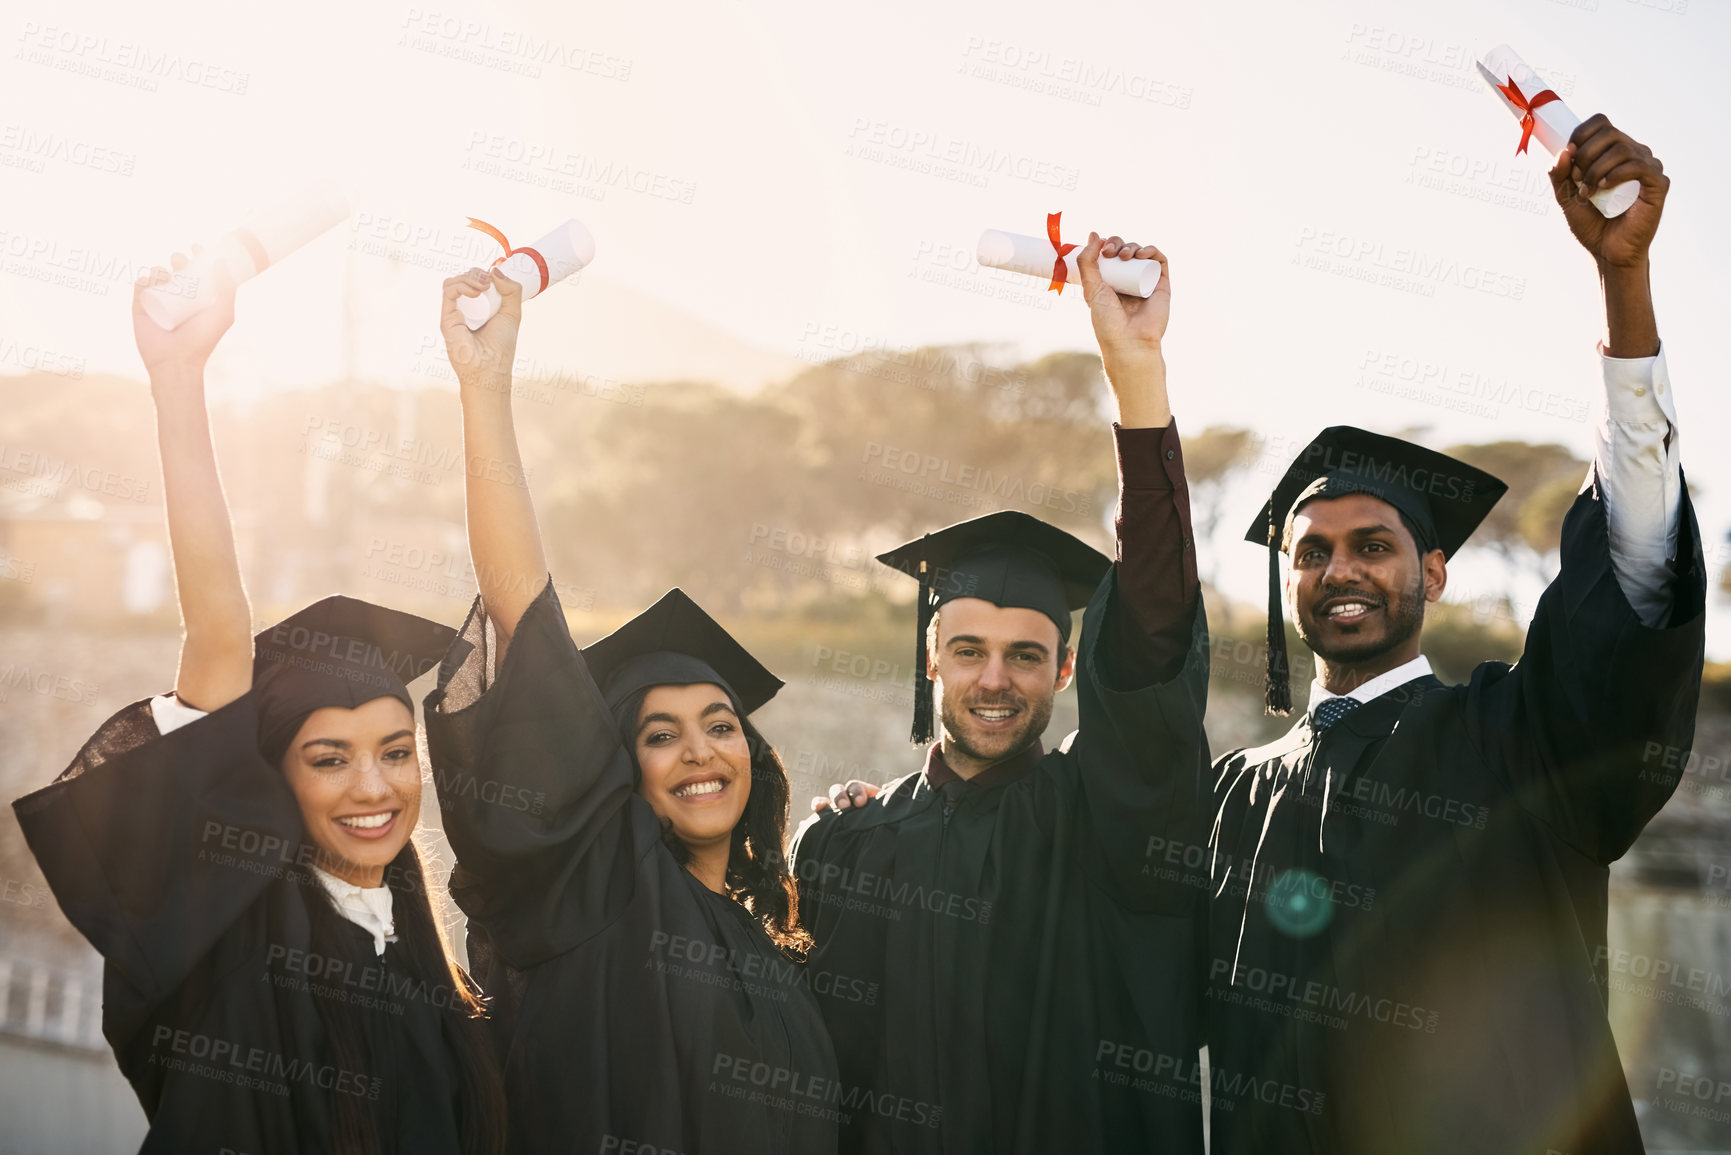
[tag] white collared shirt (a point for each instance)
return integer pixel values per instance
(368, 907)
(1376, 687)
(1637, 463)
(171, 713)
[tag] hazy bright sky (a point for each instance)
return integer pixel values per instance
(805, 180)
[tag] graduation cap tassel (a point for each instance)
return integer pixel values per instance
(1278, 692)
(922, 733)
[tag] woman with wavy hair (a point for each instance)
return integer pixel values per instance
(240, 853)
(619, 828)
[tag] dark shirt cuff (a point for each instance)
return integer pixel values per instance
(1149, 459)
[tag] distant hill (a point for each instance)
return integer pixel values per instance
(626, 334)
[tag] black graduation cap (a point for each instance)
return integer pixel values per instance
(674, 643)
(340, 651)
(1442, 501)
(1007, 558)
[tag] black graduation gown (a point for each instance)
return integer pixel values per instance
(1408, 913)
(172, 854)
(641, 1007)
(1032, 979)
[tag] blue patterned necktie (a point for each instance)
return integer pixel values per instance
(1331, 711)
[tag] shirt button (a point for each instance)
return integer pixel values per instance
(1170, 455)
(1659, 388)
(1640, 390)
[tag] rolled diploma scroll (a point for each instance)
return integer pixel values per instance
(1553, 123)
(1035, 256)
(268, 236)
(566, 249)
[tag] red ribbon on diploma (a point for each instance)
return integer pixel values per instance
(540, 261)
(1513, 92)
(1060, 271)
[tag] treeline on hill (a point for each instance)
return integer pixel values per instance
(766, 506)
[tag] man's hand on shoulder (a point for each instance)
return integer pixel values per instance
(855, 794)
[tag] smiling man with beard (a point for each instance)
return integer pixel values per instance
(1372, 618)
(1030, 981)
(1407, 914)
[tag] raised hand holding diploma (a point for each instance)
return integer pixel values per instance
(177, 354)
(216, 646)
(504, 538)
(482, 355)
(243, 253)
(1600, 155)
(1545, 118)
(1129, 329)
(1053, 261)
(534, 268)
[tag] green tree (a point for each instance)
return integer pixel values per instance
(1525, 528)
(1212, 459)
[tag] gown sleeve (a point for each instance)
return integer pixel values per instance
(533, 783)
(1141, 757)
(1142, 678)
(156, 844)
(1591, 727)
(806, 853)
(1158, 584)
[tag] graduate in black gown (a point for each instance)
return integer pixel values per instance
(1035, 962)
(240, 854)
(1407, 922)
(618, 825)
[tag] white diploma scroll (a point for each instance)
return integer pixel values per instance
(1553, 123)
(566, 249)
(263, 240)
(1034, 256)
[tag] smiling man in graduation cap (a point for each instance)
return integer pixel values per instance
(1035, 981)
(1407, 921)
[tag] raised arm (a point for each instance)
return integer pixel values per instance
(1142, 674)
(1600, 155)
(216, 620)
(124, 834)
(1157, 583)
(1129, 330)
(534, 782)
(1157, 589)
(1592, 722)
(504, 539)
(1636, 459)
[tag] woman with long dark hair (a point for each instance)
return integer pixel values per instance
(240, 853)
(619, 828)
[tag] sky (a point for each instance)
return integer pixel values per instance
(1352, 236)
